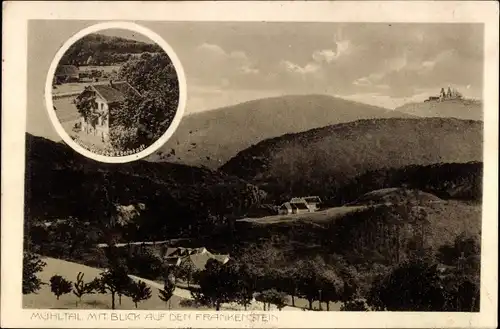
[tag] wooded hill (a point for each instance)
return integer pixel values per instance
(323, 161)
(98, 49)
(61, 183)
(213, 137)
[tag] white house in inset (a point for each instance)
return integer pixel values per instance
(106, 98)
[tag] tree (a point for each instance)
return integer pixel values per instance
(113, 281)
(311, 279)
(462, 277)
(86, 105)
(167, 292)
(138, 291)
(123, 138)
(356, 305)
(272, 296)
(32, 264)
(59, 286)
(186, 271)
(413, 286)
(218, 285)
(464, 252)
(330, 287)
(81, 288)
(245, 285)
(154, 76)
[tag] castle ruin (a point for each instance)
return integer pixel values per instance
(450, 94)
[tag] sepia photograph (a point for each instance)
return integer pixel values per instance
(115, 92)
(333, 194)
(319, 167)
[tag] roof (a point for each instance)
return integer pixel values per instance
(312, 199)
(299, 205)
(114, 92)
(200, 260)
(221, 258)
(170, 251)
(66, 70)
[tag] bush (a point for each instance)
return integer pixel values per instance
(59, 286)
(31, 266)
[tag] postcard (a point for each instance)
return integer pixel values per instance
(250, 164)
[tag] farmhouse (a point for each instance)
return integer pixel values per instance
(66, 73)
(300, 205)
(293, 208)
(194, 257)
(106, 98)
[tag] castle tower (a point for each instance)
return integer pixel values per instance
(442, 95)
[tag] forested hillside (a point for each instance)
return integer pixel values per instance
(213, 137)
(98, 49)
(322, 161)
(61, 183)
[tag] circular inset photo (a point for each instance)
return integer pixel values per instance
(115, 92)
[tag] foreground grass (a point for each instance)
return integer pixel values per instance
(45, 299)
(323, 215)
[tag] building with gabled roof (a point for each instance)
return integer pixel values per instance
(66, 73)
(293, 208)
(300, 205)
(195, 257)
(107, 97)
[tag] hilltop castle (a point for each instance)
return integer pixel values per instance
(444, 96)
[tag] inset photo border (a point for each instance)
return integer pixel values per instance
(326, 154)
(115, 151)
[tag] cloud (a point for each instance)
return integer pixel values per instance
(213, 49)
(326, 55)
(439, 58)
(363, 81)
(211, 64)
(329, 55)
(321, 59)
(306, 69)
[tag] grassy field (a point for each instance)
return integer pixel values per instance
(65, 109)
(318, 216)
(44, 298)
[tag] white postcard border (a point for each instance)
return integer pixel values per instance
(14, 83)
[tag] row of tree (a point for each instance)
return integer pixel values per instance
(445, 281)
(448, 281)
(114, 281)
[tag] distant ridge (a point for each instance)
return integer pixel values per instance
(306, 162)
(211, 138)
(467, 109)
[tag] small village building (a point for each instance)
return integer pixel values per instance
(312, 202)
(194, 257)
(107, 98)
(66, 73)
(289, 208)
(199, 261)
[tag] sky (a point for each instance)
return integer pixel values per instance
(231, 62)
